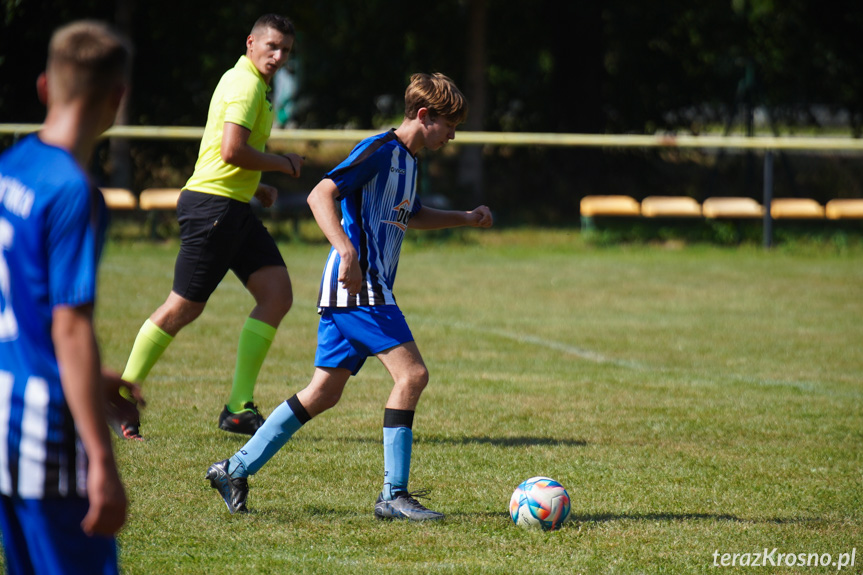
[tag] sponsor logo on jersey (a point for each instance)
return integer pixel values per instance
(403, 214)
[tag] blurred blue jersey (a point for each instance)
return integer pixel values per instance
(377, 191)
(52, 224)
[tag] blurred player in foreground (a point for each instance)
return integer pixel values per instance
(376, 189)
(62, 497)
(219, 231)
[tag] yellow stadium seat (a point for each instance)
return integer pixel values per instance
(796, 208)
(159, 198)
(158, 202)
(715, 208)
(609, 206)
(670, 206)
(119, 198)
(844, 209)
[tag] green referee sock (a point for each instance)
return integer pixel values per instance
(149, 345)
(255, 341)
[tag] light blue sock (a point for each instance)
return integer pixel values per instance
(397, 459)
(267, 441)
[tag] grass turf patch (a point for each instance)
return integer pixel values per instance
(692, 400)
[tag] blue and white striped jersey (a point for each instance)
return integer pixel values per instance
(52, 225)
(377, 192)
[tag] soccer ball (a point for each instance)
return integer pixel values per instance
(540, 503)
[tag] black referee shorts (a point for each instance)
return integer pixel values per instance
(218, 234)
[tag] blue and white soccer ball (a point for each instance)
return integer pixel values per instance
(539, 503)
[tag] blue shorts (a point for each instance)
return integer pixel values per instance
(45, 537)
(348, 335)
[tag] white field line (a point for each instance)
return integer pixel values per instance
(582, 353)
(596, 357)
(579, 352)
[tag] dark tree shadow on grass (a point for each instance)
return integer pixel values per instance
(514, 441)
(577, 520)
(517, 441)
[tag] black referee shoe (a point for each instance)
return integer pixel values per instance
(246, 422)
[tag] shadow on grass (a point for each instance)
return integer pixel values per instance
(673, 517)
(575, 519)
(518, 441)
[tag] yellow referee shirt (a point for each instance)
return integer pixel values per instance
(240, 98)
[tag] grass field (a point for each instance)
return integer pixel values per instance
(693, 401)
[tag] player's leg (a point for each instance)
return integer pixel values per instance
(259, 265)
(157, 333)
(335, 361)
(202, 262)
(383, 331)
(322, 393)
(410, 377)
(229, 477)
(152, 340)
(271, 288)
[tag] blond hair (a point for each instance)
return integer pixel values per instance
(437, 93)
(86, 59)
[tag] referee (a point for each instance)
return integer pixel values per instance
(218, 230)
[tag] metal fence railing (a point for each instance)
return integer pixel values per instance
(775, 143)
(766, 144)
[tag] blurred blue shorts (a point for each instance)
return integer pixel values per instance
(45, 537)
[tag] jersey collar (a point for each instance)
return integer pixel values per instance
(245, 63)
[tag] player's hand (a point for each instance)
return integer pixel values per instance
(267, 195)
(295, 164)
(107, 497)
(481, 217)
(350, 274)
(123, 399)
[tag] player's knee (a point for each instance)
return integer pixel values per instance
(286, 302)
(176, 313)
(281, 307)
(277, 308)
(417, 379)
(330, 399)
(320, 401)
(277, 301)
(188, 315)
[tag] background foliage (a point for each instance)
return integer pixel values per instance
(620, 66)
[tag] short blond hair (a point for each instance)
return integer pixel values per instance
(437, 93)
(86, 59)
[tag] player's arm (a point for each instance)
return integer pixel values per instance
(322, 201)
(434, 219)
(235, 150)
(81, 377)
